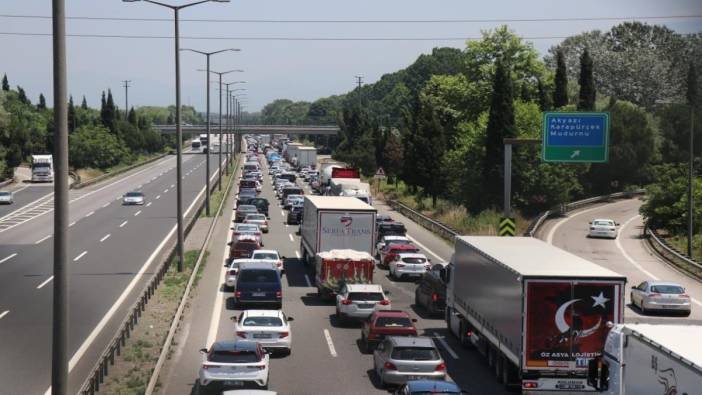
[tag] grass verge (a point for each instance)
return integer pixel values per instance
(217, 196)
(680, 244)
(132, 370)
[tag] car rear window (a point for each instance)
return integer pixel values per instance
(234, 357)
(414, 354)
(263, 321)
(265, 255)
(247, 184)
(414, 260)
(256, 217)
(246, 246)
(372, 296)
(247, 208)
(258, 276)
(399, 250)
(134, 194)
(247, 227)
(667, 289)
(393, 322)
(603, 223)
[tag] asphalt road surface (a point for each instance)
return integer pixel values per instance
(112, 252)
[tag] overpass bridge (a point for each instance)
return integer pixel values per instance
(329, 130)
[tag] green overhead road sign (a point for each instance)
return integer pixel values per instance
(507, 227)
(575, 137)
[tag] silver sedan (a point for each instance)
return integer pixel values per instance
(6, 197)
(399, 359)
(661, 296)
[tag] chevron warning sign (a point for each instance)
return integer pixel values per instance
(507, 227)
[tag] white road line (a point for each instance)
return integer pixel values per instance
(445, 345)
(72, 223)
(148, 204)
(618, 243)
(172, 185)
(82, 254)
(7, 258)
(137, 213)
(158, 197)
(330, 343)
(107, 236)
(291, 237)
(42, 239)
(90, 213)
(297, 254)
(106, 204)
(122, 224)
(48, 280)
(165, 190)
(4, 313)
(415, 241)
(307, 280)
(282, 213)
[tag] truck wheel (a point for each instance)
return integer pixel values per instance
(507, 376)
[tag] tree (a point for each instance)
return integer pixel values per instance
(96, 147)
(587, 95)
(72, 122)
(666, 200)
(392, 154)
(84, 104)
(428, 149)
(5, 83)
(544, 97)
(132, 117)
(691, 93)
(501, 124)
(42, 102)
(560, 94)
(22, 96)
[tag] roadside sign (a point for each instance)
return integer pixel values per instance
(575, 137)
(507, 227)
(380, 173)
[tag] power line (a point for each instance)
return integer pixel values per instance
(499, 20)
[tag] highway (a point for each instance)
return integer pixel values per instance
(325, 356)
(112, 250)
(628, 255)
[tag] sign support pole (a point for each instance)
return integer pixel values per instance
(507, 207)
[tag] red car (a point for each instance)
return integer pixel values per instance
(386, 323)
(391, 251)
(243, 246)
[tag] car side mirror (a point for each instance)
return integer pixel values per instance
(229, 243)
(617, 224)
(283, 257)
(234, 319)
(590, 223)
(203, 350)
(414, 320)
(291, 319)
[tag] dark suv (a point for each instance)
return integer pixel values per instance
(258, 283)
(431, 290)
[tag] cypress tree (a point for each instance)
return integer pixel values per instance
(42, 102)
(5, 83)
(22, 96)
(586, 100)
(71, 115)
(132, 117)
(501, 124)
(84, 104)
(544, 98)
(560, 94)
(430, 147)
(691, 93)
(103, 109)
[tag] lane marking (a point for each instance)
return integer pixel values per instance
(48, 280)
(618, 243)
(445, 345)
(282, 213)
(422, 246)
(7, 258)
(82, 254)
(4, 313)
(137, 213)
(158, 197)
(106, 204)
(42, 239)
(307, 280)
(165, 190)
(148, 204)
(330, 343)
(122, 224)
(291, 237)
(107, 236)
(89, 214)
(72, 223)
(297, 254)
(172, 185)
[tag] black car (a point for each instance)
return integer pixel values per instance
(390, 228)
(258, 283)
(260, 203)
(431, 290)
(294, 215)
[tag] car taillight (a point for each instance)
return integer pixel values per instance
(389, 366)
(279, 294)
(469, 333)
(237, 294)
(205, 366)
(232, 272)
(279, 263)
(284, 334)
(400, 265)
(346, 302)
(654, 295)
(612, 229)
(592, 228)
(427, 266)
(241, 334)
(440, 367)
(434, 297)
(686, 296)
(257, 367)
(372, 335)
(530, 384)
(384, 302)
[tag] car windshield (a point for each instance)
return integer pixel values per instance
(667, 289)
(256, 217)
(234, 357)
(414, 354)
(246, 246)
(247, 208)
(4, 193)
(400, 242)
(399, 250)
(414, 260)
(134, 194)
(265, 255)
(603, 223)
(247, 227)
(263, 321)
(372, 296)
(258, 276)
(393, 322)
(433, 392)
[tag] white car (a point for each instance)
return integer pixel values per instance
(603, 228)
(234, 363)
(6, 197)
(271, 256)
(292, 200)
(391, 239)
(359, 301)
(409, 265)
(257, 219)
(133, 198)
(233, 271)
(270, 328)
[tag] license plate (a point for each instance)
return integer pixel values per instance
(414, 377)
(236, 383)
(258, 294)
(262, 336)
(365, 305)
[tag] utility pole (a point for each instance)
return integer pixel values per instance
(59, 334)
(126, 99)
(359, 82)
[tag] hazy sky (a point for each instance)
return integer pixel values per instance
(298, 70)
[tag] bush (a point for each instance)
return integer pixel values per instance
(95, 146)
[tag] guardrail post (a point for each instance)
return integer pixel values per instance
(96, 381)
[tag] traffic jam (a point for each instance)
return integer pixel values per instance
(559, 315)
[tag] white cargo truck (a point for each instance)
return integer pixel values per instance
(307, 156)
(646, 359)
(332, 223)
(537, 313)
(350, 187)
(42, 168)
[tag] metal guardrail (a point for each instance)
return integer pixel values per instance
(6, 182)
(669, 253)
(114, 348)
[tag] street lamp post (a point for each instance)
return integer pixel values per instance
(228, 119)
(179, 131)
(207, 157)
(237, 117)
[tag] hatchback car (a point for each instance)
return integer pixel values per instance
(386, 323)
(391, 251)
(359, 301)
(294, 215)
(603, 228)
(391, 239)
(270, 328)
(292, 200)
(430, 292)
(233, 364)
(242, 228)
(257, 219)
(244, 210)
(269, 256)
(426, 387)
(134, 197)
(398, 359)
(408, 265)
(6, 197)
(260, 203)
(243, 246)
(258, 283)
(661, 296)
